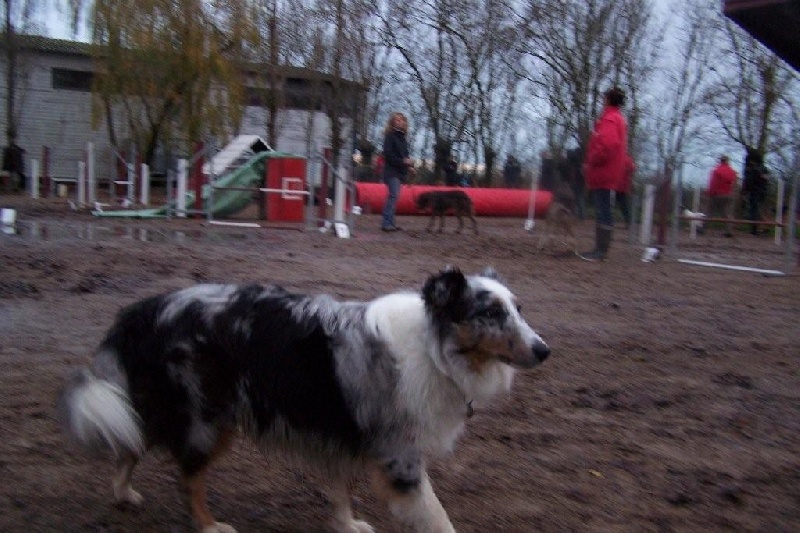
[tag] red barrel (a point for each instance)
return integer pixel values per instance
(487, 202)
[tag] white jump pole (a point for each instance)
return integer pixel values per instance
(81, 182)
(779, 211)
(766, 272)
(646, 231)
(530, 223)
(694, 224)
(340, 227)
(180, 193)
(90, 178)
(131, 181)
(34, 185)
(144, 186)
(338, 196)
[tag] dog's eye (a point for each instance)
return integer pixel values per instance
(519, 309)
(494, 312)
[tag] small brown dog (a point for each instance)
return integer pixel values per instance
(558, 226)
(441, 202)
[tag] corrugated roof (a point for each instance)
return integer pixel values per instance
(50, 45)
(776, 23)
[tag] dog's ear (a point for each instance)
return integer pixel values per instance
(444, 290)
(490, 273)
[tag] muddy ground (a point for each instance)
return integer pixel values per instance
(671, 401)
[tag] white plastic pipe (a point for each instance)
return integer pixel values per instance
(34, 185)
(81, 193)
(647, 214)
(144, 193)
(90, 178)
(180, 193)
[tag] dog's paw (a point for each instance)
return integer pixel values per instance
(359, 526)
(218, 527)
(351, 526)
(128, 495)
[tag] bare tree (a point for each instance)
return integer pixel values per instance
(431, 55)
(577, 49)
(752, 91)
(678, 115)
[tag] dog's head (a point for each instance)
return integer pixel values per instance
(424, 201)
(481, 317)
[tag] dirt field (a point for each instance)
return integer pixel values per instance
(671, 401)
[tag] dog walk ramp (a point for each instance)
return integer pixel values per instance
(238, 151)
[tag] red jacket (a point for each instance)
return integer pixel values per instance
(722, 180)
(604, 166)
(624, 185)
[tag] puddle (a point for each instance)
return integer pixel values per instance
(52, 231)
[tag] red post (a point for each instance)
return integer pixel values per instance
(663, 196)
(327, 153)
(197, 179)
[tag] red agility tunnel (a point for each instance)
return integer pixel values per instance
(487, 202)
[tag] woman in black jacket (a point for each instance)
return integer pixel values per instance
(396, 166)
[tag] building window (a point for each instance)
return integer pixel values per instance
(72, 80)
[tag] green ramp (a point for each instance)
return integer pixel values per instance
(250, 174)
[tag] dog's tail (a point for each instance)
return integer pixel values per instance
(96, 414)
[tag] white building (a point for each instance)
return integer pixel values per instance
(54, 110)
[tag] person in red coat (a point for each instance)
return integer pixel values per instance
(622, 192)
(604, 168)
(720, 192)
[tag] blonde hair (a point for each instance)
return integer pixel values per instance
(390, 123)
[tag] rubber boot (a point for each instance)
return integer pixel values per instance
(602, 244)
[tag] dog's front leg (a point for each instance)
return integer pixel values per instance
(431, 223)
(343, 521)
(406, 486)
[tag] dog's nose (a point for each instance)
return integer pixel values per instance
(541, 351)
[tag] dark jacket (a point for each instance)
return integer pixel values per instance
(395, 150)
(755, 180)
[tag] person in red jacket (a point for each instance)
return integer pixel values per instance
(720, 192)
(622, 191)
(604, 168)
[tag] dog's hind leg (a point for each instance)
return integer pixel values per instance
(343, 521)
(405, 484)
(474, 222)
(123, 492)
(195, 466)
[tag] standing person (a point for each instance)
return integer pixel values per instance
(720, 192)
(451, 178)
(547, 172)
(622, 192)
(604, 168)
(512, 172)
(754, 186)
(574, 176)
(14, 164)
(396, 165)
